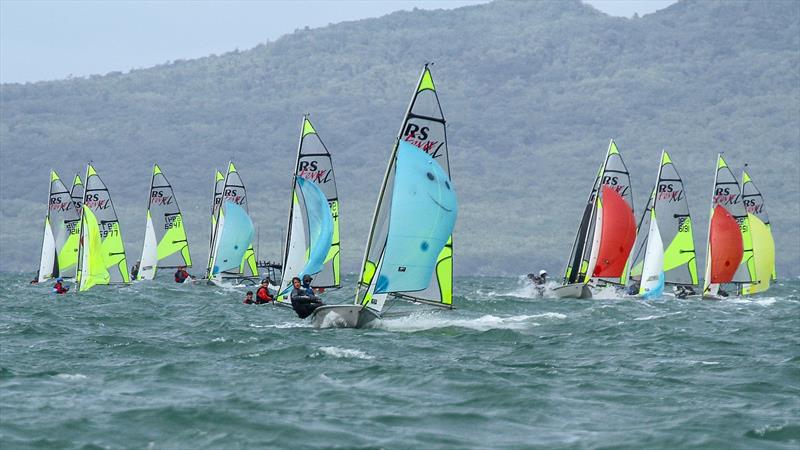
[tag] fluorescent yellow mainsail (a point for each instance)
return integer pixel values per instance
(761, 263)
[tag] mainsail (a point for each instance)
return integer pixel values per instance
(727, 252)
(314, 163)
(762, 265)
(668, 205)
(610, 199)
(60, 242)
(234, 239)
(422, 131)
(102, 220)
(165, 243)
(233, 191)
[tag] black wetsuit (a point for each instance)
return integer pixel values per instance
(303, 303)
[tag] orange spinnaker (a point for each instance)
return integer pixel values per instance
(618, 235)
(726, 246)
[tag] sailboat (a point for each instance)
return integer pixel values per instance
(409, 253)
(165, 243)
(60, 241)
(102, 251)
(232, 192)
(665, 252)
(306, 233)
(729, 246)
(761, 265)
(606, 233)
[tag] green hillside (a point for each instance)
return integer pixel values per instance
(532, 92)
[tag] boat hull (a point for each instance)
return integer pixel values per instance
(343, 316)
(574, 290)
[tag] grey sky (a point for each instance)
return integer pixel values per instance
(45, 40)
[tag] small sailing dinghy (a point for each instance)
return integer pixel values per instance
(102, 258)
(606, 233)
(59, 256)
(232, 192)
(165, 243)
(314, 199)
(410, 247)
(665, 253)
(729, 246)
(761, 264)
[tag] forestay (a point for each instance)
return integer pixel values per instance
(422, 129)
(165, 243)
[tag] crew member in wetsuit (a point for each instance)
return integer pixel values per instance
(135, 270)
(304, 302)
(248, 298)
(262, 294)
(633, 289)
(59, 287)
(35, 279)
(181, 275)
(682, 291)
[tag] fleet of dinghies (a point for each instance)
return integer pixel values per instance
(409, 250)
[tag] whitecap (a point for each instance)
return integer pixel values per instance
(281, 325)
(338, 352)
(218, 339)
(71, 376)
(484, 323)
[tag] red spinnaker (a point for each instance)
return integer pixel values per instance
(618, 235)
(726, 246)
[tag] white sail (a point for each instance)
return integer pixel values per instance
(652, 284)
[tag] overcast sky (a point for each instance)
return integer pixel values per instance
(46, 40)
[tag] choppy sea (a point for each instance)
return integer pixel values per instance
(165, 366)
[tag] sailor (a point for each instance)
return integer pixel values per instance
(682, 291)
(304, 302)
(135, 270)
(633, 289)
(59, 287)
(248, 298)
(35, 279)
(262, 294)
(542, 278)
(181, 275)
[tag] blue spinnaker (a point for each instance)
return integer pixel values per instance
(319, 225)
(424, 209)
(236, 237)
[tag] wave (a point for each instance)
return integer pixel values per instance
(70, 376)
(338, 352)
(420, 322)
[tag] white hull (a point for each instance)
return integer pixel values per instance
(343, 316)
(575, 290)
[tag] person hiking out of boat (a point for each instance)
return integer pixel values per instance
(262, 294)
(633, 289)
(59, 287)
(35, 279)
(248, 298)
(303, 302)
(181, 275)
(135, 270)
(722, 292)
(682, 291)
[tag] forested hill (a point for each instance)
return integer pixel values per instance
(532, 92)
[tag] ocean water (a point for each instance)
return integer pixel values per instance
(166, 366)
